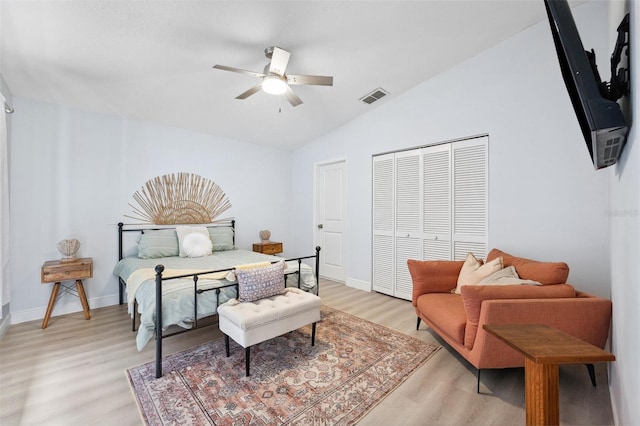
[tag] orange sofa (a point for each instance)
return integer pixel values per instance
(458, 318)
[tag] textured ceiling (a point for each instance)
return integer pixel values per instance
(152, 60)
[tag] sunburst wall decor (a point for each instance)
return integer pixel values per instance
(182, 198)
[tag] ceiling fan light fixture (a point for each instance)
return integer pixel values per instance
(274, 85)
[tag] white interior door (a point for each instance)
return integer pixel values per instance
(331, 218)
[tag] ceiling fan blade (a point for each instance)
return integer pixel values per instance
(314, 80)
(279, 61)
(238, 70)
(253, 90)
(291, 96)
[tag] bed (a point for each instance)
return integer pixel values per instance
(163, 287)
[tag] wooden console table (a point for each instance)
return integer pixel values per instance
(544, 349)
(57, 272)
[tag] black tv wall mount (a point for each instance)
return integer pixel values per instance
(618, 86)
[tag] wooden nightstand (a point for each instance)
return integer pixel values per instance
(57, 272)
(269, 247)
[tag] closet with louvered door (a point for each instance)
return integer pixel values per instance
(470, 197)
(436, 196)
(428, 203)
(408, 218)
(383, 219)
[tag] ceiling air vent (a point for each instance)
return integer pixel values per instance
(374, 96)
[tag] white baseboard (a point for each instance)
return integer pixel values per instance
(62, 308)
(359, 284)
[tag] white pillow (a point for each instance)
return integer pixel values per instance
(473, 271)
(195, 244)
(183, 231)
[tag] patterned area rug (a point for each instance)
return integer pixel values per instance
(352, 367)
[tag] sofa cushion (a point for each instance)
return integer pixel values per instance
(446, 311)
(433, 276)
(473, 270)
(473, 296)
(506, 276)
(543, 272)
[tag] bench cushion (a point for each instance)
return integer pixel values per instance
(248, 315)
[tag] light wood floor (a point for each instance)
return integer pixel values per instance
(72, 373)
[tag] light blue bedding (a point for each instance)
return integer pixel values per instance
(177, 294)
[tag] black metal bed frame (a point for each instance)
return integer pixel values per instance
(159, 269)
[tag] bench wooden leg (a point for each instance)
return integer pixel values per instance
(226, 344)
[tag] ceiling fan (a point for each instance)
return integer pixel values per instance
(274, 80)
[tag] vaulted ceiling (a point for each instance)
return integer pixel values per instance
(152, 60)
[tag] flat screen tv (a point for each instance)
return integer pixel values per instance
(601, 120)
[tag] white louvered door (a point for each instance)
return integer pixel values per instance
(383, 223)
(408, 218)
(428, 203)
(470, 198)
(437, 202)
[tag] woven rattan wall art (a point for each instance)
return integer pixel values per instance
(181, 198)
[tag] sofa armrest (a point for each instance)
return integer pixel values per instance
(433, 276)
(474, 297)
(587, 318)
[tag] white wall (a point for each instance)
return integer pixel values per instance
(73, 174)
(5, 288)
(625, 252)
(545, 199)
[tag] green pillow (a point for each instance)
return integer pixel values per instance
(158, 243)
(222, 238)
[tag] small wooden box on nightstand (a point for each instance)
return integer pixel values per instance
(57, 272)
(268, 247)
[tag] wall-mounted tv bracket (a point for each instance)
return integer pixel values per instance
(619, 84)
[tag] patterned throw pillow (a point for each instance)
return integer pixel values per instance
(258, 283)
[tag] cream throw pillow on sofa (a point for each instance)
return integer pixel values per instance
(473, 271)
(506, 276)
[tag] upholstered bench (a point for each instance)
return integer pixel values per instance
(250, 323)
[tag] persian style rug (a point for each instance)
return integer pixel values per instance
(352, 367)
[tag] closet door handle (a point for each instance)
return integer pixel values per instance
(320, 226)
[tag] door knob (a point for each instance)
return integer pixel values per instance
(319, 226)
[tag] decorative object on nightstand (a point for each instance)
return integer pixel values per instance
(59, 271)
(68, 249)
(268, 247)
(265, 235)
